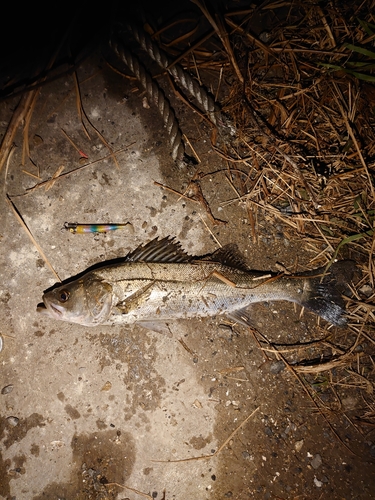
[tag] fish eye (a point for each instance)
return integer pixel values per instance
(64, 295)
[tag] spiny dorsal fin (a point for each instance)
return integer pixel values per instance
(164, 250)
(230, 256)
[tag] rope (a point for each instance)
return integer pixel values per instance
(155, 94)
(181, 76)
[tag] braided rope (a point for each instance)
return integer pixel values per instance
(181, 76)
(155, 93)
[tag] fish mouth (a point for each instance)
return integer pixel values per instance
(42, 309)
(49, 309)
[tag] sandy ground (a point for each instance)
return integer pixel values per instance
(118, 412)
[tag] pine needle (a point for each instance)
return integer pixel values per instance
(29, 234)
(221, 447)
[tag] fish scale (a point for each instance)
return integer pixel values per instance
(159, 282)
(186, 290)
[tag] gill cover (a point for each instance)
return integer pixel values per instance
(87, 301)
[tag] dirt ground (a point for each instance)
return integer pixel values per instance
(119, 412)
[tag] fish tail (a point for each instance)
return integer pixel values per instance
(323, 291)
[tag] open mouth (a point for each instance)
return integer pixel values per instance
(49, 310)
(55, 310)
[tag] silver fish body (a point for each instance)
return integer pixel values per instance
(159, 282)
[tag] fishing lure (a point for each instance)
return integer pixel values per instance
(74, 227)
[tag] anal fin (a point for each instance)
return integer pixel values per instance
(156, 326)
(242, 317)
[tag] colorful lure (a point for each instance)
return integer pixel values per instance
(74, 227)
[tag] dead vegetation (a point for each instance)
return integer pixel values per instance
(297, 85)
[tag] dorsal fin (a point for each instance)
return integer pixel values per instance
(164, 250)
(230, 256)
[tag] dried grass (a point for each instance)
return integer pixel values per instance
(300, 94)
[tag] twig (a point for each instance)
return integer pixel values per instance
(209, 230)
(223, 35)
(197, 194)
(41, 184)
(354, 139)
(72, 142)
(208, 457)
(29, 234)
(186, 139)
(54, 178)
(17, 118)
(181, 195)
(144, 495)
(300, 175)
(82, 112)
(27, 120)
(10, 154)
(332, 429)
(79, 105)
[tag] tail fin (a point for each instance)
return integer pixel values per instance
(323, 295)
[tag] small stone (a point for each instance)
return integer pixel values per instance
(366, 290)
(318, 483)
(37, 140)
(145, 103)
(349, 403)
(316, 462)
(277, 367)
(290, 428)
(265, 36)
(107, 386)
(56, 445)
(298, 445)
(13, 421)
(7, 389)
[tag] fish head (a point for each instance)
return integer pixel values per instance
(86, 301)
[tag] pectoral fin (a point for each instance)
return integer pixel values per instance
(136, 300)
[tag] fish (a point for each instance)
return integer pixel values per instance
(74, 227)
(159, 282)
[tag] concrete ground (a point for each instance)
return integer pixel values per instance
(119, 412)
